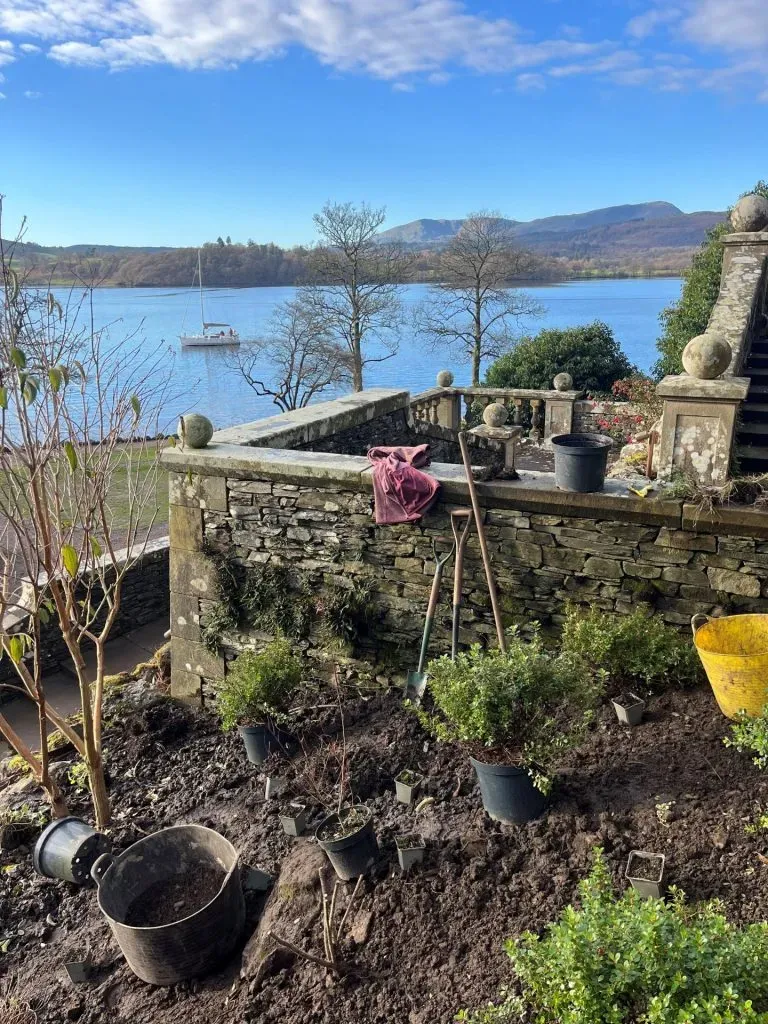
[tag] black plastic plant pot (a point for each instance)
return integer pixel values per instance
(406, 784)
(508, 793)
(645, 873)
(629, 708)
(164, 954)
(67, 850)
(580, 461)
(353, 854)
(294, 823)
(410, 850)
(261, 741)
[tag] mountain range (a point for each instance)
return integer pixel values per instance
(637, 239)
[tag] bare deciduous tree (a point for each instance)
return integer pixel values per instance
(78, 499)
(296, 360)
(473, 309)
(355, 284)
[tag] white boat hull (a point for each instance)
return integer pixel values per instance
(208, 341)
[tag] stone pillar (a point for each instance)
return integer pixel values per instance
(494, 428)
(698, 426)
(558, 416)
(192, 579)
(449, 410)
(448, 403)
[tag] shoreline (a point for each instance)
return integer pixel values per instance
(533, 283)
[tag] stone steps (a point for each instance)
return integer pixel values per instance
(752, 432)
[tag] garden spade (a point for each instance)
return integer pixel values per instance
(458, 515)
(417, 681)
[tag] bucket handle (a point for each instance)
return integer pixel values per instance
(695, 624)
(100, 867)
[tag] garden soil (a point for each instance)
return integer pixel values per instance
(422, 945)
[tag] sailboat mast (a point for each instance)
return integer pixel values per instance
(200, 280)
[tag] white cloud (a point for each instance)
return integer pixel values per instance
(530, 82)
(401, 41)
(3, 96)
(733, 25)
(31, 94)
(646, 24)
(387, 38)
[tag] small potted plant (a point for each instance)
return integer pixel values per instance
(406, 784)
(410, 850)
(514, 712)
(645, 873)
(255, 696)
(629, 708)
(294, 821)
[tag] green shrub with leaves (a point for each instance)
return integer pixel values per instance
(258, 687)
(346, 610)
(619, 960)
(749, 735)
(590, 354)
(527, 705)
(634, 650)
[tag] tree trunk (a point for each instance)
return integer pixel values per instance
(478, 339)
(475, 366)
(99, 794)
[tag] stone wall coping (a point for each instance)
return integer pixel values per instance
(244, 462)
(321, 419)
(722, 389)
(745, 237)
(739, 520)
(481, 392)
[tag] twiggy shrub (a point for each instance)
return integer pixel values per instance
(526, 705)
(634, 650)
(615, 960)
(258, 687)
(749, 735)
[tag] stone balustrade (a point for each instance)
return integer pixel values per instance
(543, 413)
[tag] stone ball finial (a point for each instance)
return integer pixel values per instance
(444, 379)
(706, 356)
(495, 415)
(195, 430)
(750, 213)
(563, 382)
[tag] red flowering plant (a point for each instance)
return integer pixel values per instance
(632, 413)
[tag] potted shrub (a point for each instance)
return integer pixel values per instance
(255, 696)
(514, 712)
(349, 841)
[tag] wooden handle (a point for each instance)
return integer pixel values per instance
(483, 544)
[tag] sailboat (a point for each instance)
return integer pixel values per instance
(221, 334)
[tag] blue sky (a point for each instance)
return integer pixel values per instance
(169, 122)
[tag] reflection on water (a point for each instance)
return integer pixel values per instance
(202, 380)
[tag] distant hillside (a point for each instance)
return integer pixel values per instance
(436, 233)
(640, 239)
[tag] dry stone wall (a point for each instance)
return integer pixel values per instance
(548, 549)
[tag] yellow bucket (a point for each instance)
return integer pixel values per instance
(734, 653)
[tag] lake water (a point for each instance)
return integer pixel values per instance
(208, 385)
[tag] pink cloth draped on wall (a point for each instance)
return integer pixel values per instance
(401, 491)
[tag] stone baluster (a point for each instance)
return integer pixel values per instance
(517, 417)
(535, 432)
